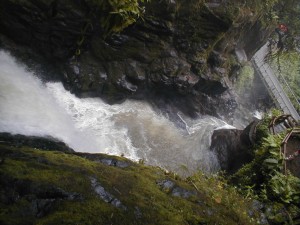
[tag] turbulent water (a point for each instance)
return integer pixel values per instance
(133, 129)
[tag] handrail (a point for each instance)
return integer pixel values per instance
(271, 82)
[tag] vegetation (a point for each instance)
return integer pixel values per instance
(34, 185)
(117, 15)
(288, 13)
(263, 178)
(288, 71)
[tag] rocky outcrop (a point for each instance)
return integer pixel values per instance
(54, 187)
(43, 198)
(233, 147)
(178, 50)
(106, 196)
(46, 143)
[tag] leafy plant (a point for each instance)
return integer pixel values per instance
(263, 178)
(119, 14)
(285, 187)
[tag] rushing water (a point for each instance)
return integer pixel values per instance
(133, 129)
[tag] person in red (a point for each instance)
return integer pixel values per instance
(283, 28)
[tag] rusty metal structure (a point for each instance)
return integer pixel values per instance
(289, 124)
(285, 120)
(283, 148)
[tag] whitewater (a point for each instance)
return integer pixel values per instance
(132, 129)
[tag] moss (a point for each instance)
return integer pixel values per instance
(136, 186)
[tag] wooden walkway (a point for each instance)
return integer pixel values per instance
(274, 87)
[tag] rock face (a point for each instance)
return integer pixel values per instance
(54, 187)
(46, 143)
(233, 147)
(178, 53)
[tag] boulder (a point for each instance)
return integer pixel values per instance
(232, 147)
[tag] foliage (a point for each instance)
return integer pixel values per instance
(262, 131)
(116, 15)
(263, 177)
(288, 13)
(284, 187)
(221, 193)
(136, 186)
(288, 70)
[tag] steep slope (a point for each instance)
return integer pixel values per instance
(57, 187)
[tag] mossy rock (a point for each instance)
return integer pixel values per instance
(52, 187)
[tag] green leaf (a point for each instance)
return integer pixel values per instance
(271, 160)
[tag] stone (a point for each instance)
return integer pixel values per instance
(105, 195)
(228, 145)
(171, 187)
(166, 184)
(114, 162)
(183, 193)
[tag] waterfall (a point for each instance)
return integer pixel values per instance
(133, 129)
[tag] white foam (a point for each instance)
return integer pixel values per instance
(133, 129)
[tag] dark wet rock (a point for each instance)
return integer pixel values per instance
(41, 191)
(216, 59)
(175, 50)
(105, 195)
(41, 207)
(126, 85)
(135, 71)
(42, 198)
(45, 143)
(229, 145)
(43, 25)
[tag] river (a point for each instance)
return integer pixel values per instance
(132, 129)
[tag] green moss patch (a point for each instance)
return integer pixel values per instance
(51, 187)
